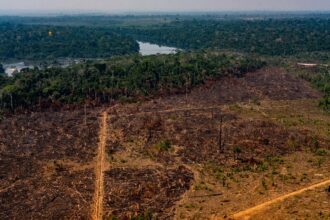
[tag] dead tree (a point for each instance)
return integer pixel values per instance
(152, 125)
(149, 135)
(85, 115)
(221, 139)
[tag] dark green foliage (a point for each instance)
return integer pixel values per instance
(119, 78)
(164, 145)
(320, 79)
(3, 79)
(237, 151)
(2, 70)
(49, 42)
(263, 36)
(325, 103)
(322, 82)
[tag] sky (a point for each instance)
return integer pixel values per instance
(163, 5)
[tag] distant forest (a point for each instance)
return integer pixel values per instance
(34, 42)
(105, 36)
(122, 78)
(261, 36)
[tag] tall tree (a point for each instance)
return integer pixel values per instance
(2, 70)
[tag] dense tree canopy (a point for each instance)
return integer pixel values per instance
(45, 42)
(320, 79)
(264, 36)
(119, 78)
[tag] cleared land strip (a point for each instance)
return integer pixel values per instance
(246, 214)
(99, 169)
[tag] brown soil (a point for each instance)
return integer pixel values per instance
(132, 191)
(45, 170)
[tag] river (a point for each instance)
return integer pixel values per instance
(153, 49)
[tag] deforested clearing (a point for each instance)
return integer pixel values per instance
(222, 147)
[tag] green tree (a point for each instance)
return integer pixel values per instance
(2, 70)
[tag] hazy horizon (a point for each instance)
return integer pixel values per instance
(104, 6)
(56, 13)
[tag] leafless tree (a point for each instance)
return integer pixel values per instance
(221, 138)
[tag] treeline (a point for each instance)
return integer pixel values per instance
(34, 42)
(2, 70)
(265, 36)
(122, 78)
(320, 79)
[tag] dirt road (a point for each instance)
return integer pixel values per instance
(247, 214)
(99, 170)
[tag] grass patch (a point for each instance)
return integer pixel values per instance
(164, 145)
(321, 152)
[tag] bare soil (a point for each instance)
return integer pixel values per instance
(136, 191)
(46, 169)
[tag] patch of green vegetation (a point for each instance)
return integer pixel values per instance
(127, 79)
(191, 207)
(320, 161)
(237, 151)
(320, 79)
(321, 152)
(287, 177)
(262, 167)
(235, 107)
(217, 172)
(1, 115)
(314, 145)
(164, 145)
(203, 186)
(288, 122)
(264, 183)
(270, 163)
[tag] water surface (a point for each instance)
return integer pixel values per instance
(153, 49)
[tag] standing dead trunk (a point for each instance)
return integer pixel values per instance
(221, 139)
(85, 115)
(11, 101)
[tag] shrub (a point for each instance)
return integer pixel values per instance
(164, 145)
